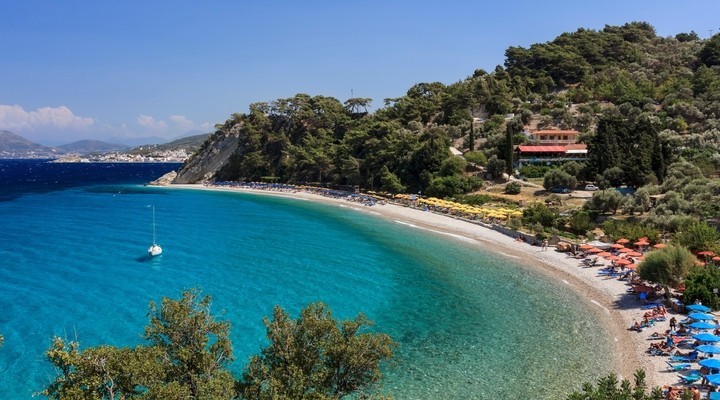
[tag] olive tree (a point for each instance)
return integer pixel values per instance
(195, 348)
(604, 201)
(668, 266)
(558, 178)
(699, 285)
(315, 357)
(187, 357)
(697, 236)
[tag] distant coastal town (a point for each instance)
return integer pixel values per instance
(177, 155)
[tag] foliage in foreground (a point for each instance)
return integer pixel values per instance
(189, 352)
(610, 388)
(314, 358)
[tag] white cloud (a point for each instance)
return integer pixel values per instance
(152, 123)
(59, 125)
(182, 123)
(15, 118)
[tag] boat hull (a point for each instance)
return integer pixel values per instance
(154, 250)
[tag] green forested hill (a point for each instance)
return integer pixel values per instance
(641, 101)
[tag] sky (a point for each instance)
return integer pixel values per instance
(116, 70)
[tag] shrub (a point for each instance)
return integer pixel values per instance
(513, 188)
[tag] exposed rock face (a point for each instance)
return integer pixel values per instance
(165, 179)
(213, 155)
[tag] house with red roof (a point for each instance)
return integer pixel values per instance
(550, 154)
(553, 136)
(554, 146)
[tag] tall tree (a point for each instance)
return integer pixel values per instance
(196, 349)
(667, 267)
(316, 357)
(187, 358)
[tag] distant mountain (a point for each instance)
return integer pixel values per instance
(92, 146)
(15, 146)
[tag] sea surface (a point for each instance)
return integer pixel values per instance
(470, 323)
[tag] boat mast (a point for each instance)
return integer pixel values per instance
(153, 208)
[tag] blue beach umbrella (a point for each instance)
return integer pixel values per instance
(701, 316)
(703, 325)
(713, 379)
(707, 348)
(707, 337)
(698, 308)
(710, 363)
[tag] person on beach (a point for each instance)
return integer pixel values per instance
(695, 393)
(544, 245)
(673, 324)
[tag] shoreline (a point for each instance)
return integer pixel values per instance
(607, 298)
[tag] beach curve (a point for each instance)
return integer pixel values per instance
(607, 299)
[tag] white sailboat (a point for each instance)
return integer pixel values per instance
(155, 249)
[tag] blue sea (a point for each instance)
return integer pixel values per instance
(470, 323)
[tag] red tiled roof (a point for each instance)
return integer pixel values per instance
(577, 146)
(542, 149)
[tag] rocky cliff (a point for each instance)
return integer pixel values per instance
(212, 156)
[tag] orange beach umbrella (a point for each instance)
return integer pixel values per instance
(622, 241)
(594, 250)
(625, 250)
(616, 246)
(604, 254)
(660, 246)
(585, 246)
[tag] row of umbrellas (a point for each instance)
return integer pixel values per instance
(500, 213)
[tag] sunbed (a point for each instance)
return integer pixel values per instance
(693, 356)
(678, 367)
(691, 377)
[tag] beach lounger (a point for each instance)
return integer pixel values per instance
(690, 378)
(689, 358)
(678, 367)
(649, 305)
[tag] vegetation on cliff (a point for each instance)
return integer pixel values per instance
(641, 101)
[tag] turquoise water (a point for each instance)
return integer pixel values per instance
(470, 324)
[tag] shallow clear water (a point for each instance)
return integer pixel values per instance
(470, 324)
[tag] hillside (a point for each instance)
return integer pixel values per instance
(14, 146)
(643, 111)
(188, 144)
(91, 146)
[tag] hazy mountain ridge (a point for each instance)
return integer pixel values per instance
(16, 146)
(92, 146)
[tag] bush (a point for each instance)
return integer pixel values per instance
(476, 199)
(699, 285)
(513, 188)
(558, 178)
(476, 157)
(539, 213)
(633, 231)
(581, 222)
(534, 171)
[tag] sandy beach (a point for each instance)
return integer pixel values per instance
(607, 298)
